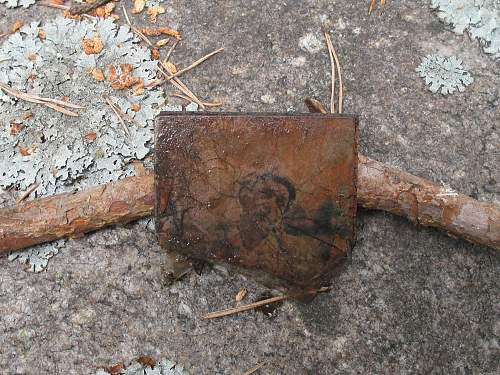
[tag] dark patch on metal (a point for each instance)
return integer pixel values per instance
(274, 193)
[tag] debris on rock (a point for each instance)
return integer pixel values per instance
(444, 74)
(145, 366)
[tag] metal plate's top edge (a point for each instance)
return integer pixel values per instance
(259, 114)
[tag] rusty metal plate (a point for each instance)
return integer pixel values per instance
(269, 192)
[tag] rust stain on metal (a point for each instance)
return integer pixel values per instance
(275, 193)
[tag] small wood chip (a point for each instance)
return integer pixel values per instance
(97, 74)
(90, 137)
(162, 42)
(241, 294)
(138, 6)
(154, 11)
(157, 31)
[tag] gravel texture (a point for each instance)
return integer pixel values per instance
(411, 300)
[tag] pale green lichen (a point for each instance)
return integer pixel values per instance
(17, 3)
(481, 18)
(444, 74)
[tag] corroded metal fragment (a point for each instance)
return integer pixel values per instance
(274, 193)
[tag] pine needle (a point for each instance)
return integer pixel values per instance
(334, 63)
(57, 105)
(117, 111)
(254, 369)
(135, 29)
(236, 310)
(193, 65)
(27, 193)
(206, 104)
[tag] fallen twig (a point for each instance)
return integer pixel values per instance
(254, 369)
(236, 310)
(27, 193)
(57, 105)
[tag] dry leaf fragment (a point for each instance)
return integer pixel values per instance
(146, 361)
(157, 31)
(25, 151)
(138, 89)
(162, 42)
(115, 369)
(138, 6)
(136, 107)
(27, 115)
(16, 26)
(241, 294)
(97, 74)
(154, 11)
(15, 127)
(123, 80)
(41, 34)
(57, 2)
(105, 10)
(92, 45)
(171, 68)
(90, 137)
(32, 57)
(155, 54)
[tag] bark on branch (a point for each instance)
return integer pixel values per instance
(380, 187)
(425, 203)
(73, 214)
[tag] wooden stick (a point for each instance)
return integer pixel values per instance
(425, 203)
(380, 187)
(72, 214)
